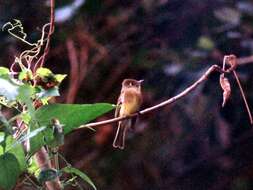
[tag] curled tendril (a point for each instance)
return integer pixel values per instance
(17, 25)
(30, 56)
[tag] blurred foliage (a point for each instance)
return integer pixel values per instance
(193, 144)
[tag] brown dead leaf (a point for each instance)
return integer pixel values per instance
(225, 85)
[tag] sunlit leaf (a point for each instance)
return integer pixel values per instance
(8, 89)
(4, 71)
(43, 72)
(48, 93)
(25, 75)
(59, 78)
(26, 117)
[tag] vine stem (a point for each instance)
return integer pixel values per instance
(203, 78)
(243, 97)
(41, 157)
(51, 31)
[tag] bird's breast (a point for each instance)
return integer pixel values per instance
(131, 102)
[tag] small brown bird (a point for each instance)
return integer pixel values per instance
(129, 102)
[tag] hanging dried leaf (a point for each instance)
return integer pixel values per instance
(225, 85)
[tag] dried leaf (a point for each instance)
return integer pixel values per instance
(225, 85)
(232, 61)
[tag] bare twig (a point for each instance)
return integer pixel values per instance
(245, 60)
(167, 102)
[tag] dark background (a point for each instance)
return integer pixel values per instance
(193, 144)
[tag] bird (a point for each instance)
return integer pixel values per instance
(129, 102)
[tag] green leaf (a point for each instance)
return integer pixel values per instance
(4, 71)
(25, 74)
(43, 72)
(17, 151)
(59, 78)
(26, 117)
(70, 115)
(25, 94)
(9, 171)
(12, 162)
(8, 89)
(79, 173)
(33, 168)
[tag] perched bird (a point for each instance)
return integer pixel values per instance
(129, 102)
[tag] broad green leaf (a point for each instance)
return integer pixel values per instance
(9, 171)
(79, 173)
(70, 115)
(12, 162)
(8, 89)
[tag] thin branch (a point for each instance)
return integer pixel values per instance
(244, 98)
(245, 60)
(158, 106)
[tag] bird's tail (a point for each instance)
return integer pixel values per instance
(119, 140)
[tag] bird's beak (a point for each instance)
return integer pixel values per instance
(140, 81)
